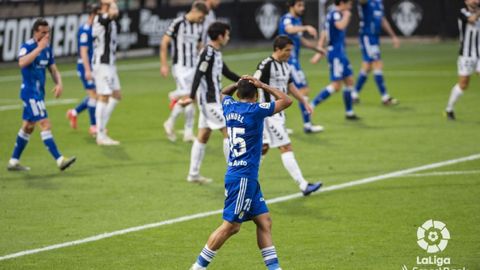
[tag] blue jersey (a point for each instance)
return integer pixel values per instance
(336, 37)
(371, 15)
(245, 132)
(85, 39)
(286, 20)
(33, 75)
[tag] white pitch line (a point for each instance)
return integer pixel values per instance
(441, 173)
(216, 212)
(48, 103)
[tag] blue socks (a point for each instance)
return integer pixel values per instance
(82, 106)
(270, 258)
(362, 78)
(205, 257)
(323, 95)
(378, 75)
(21, 142)
(92, 104)
(347, 100)
(47, 138)
(305, 114)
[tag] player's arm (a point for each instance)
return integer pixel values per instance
(311, 45)
(344, 21)
(388, 28)
(112, 9)
(86, 62)
(230, 90)
(28, 58)
(282, 101)
(57, 79)
(164, 69)
(232, 76)
(321, 41)
(474, 17)
(295, 29)
(292, 89)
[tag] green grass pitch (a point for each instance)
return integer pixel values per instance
(370, 226)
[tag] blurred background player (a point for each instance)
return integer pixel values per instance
(34, 56)
(340, 69)
(84, 72)
(469, 54)
(185, 34)
(207, 80)
(276, 72)
(105, 72)
(291, 25)
(372, 20)
(244, 199)
(209, 18)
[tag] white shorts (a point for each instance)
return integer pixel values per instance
(274, 132)
(468, 65)
(211, 116)
(184, 78)
(106, 79)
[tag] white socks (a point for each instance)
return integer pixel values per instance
(226, 149)
(289, 162)
(100, 112)
(454, 95)
(112, 102)
(196, 157)
(176, 111)
(189, 118)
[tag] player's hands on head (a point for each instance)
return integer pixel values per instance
(256, 82)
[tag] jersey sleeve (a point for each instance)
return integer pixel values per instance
(264, 109)
(263, 75)
(173, 29)
(24, 50)
(83, 38)
(232, 76)
(103, 19)
(464, 14)
(205, 63)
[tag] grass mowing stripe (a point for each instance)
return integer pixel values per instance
(215, 212)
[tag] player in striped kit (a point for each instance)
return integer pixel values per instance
(185, 36)
(469, 54)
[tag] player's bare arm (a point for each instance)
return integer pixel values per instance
(164, 68)
(298, 96)
(282, 101)
(388, 28)
(343, 23)
(321, 41)
(29, 58)
(57, 79)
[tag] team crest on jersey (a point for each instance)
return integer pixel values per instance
(267, 17)
(407, 16)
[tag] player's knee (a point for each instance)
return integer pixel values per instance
(265, 149)
(28, 128)
(232, 229)
(117, 95)
(463, 85)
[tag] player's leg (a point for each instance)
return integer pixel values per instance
(466, 67)
(72, 114)
(214, 243)
(23, 136)
(116, 94)
(47, 138)
(188, 135)
(380, 81)
(265, 242)
(361, 80)
(347, 97)
(197, 154)
(91, 104)
(336, 71)
(292, 167)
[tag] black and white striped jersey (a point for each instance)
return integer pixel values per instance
(209, 19)
(208, 76)
(274, 73)
(469, 35)
(104, 32)
(185, 39)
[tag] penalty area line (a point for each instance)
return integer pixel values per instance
(367, 180)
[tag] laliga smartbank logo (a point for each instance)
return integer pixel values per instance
(433, 237)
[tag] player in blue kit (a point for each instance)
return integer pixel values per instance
(34, 57)
(340, 69)
(291, 25)
(372, 20)
(84, 71)
(244, 199)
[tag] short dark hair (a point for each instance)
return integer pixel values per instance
(39, 22)
(338, 2)
(291, 3)
(246, 89)
(217, 29)
(93, 8)
(281, 41)
(200, 6)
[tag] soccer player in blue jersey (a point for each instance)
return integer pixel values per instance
(372, 20)
(336, 24)
(291, 25)
(34, 57)
(244, 200)
(84, 71)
